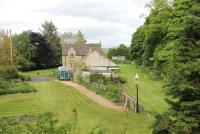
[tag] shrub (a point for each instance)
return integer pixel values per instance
(21, 77)
(80, 79)
(112, 88)
(9, 73)
(122, 61)
(27, 78)
(11, 88)
(157, 75)
(24, 88)
(71, 74)
(98, 78)
(53, 73)
(2, 92)
(45, 123)
(110, 93)
(121, 80)
(113, 97)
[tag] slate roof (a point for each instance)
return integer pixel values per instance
(81, 49)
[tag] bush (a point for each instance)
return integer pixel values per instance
(4, 84)
(99, 78)
(9, 73)
(80, 79)
(110, 93)
(122, 61)
(24, 88)
(11, 91)
(12, 88)
(53, 73)
(21, 77)
(27, 78)
(156, 75)
(112, 88)
(46, 123)
(121, 80)
(2, 92)
(113, 97)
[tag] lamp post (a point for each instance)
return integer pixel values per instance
(137, 84)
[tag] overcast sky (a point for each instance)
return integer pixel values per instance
(111, 21)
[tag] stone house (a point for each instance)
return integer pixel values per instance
(88, 55)
(72, 53)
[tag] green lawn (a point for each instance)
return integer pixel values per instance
(41, 73)
(151, 94)
(61, 99)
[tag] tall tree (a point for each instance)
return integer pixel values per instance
(68, 38)
(71, 38)
(5, 50)
(79, 38)
(183, 117)
(49, 31)
(170, 36)
(149, 38)
(44, 53)
(25, 51)
(122, 50)
(136, 48)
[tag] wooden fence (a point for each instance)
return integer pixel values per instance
(130, 102)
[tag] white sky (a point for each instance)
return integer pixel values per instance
(111, 21)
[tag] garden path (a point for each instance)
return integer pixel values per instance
(40, 79)
(93, 96)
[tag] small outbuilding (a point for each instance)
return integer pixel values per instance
(63, 73)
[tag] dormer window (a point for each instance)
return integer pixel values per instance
(71, 55)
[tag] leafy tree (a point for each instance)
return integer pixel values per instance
(184, 81)
(148, 40)
(5, 51)
(169, 41)
(44, 53)
(49, 31)
(122, 50)
(136, 49)
(25, 51)
(79, 38)
(112, 52)
(68, 38)
(71, 38)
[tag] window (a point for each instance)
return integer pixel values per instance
(71, 64)
(71, 55)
